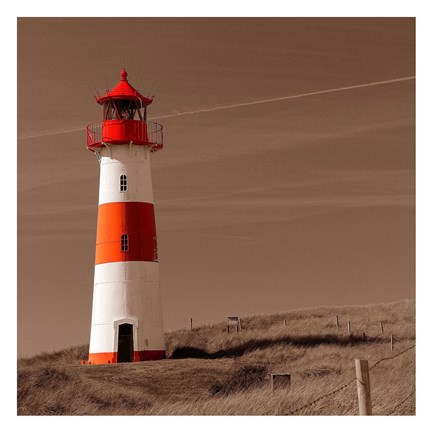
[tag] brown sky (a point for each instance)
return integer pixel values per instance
(260, 208)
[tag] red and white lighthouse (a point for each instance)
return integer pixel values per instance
(127, 322)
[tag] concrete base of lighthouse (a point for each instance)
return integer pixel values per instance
(127, 322)
(109, 358)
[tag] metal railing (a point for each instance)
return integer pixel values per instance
(147, 132)
(94, 133)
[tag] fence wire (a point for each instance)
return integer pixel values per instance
(392, 357)
(389, 358)
(322, 397)
(347, 384)
(401, 403)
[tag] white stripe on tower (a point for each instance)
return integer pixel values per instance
(127, 290)
(132, 161)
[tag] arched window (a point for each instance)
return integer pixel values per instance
(123, 183)
(124, 243)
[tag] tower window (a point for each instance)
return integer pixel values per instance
(123, 183)
(124, 243)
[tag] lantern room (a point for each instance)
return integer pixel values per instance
(124, 119)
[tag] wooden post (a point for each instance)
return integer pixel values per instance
(363, 387)
(364, 336)
(240, 325)
(337, 322)
(285, 322)
(382, 328)
(391, 342)
(349, 328)
(191, 323)
(228, 328)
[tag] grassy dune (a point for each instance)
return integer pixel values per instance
(210, 372)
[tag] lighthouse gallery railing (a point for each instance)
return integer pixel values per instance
(148, 132)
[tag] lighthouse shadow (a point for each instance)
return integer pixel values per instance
(182, 352)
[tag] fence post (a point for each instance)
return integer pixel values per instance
(337, 322)
(191, 323)
(363, 387)
(285, 322)
(349, 328)
(364, 336)
(391, 342)
(240, 324)
(382, 328)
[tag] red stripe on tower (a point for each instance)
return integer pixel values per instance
(135, 220)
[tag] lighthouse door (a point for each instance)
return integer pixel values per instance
(125, 343)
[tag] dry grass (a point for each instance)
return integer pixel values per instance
(210, 372)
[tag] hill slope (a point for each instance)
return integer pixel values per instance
(211, 372)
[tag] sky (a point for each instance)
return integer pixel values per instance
(287, 179)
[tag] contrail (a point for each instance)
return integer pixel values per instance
(52, 132)
(282, 98)
(237, 105)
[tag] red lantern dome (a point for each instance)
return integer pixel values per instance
(124, 119)
(124, 91)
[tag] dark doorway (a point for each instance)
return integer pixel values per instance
(125, 343)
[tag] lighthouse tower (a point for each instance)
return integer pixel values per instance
(127, 322)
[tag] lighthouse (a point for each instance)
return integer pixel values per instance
(127, 323)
